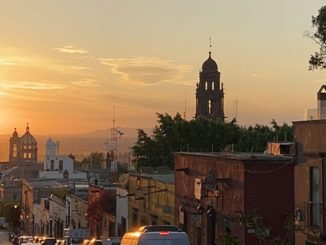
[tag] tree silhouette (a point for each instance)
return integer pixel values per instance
(318, 60)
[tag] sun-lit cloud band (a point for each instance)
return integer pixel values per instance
(31, 85)
(69, 49)
(86, 83)
(145, 69)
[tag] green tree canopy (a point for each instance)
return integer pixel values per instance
(318, 60)
(94, 160)
(11, 210)
(174, 134)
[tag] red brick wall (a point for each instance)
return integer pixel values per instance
(271, 193)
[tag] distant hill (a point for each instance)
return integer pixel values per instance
(79, 145)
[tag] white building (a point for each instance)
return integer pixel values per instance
(321, 103)
(59, 166)
(310, 114)
(121, 224)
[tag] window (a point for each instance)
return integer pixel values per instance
(206, 85)
(14, 151)
(209, 107)
(52, 165)
(314, 197)
(213, 85)
(61, 165)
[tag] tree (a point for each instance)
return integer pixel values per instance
(11, 210)
(94, 160)
(228, 239)
(174, 134)
(255, 222)
(318, 60)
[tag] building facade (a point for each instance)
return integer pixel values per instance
(22, 149)
(216, 194)
(59, 166)
(310, 194)
(210, 92)
(33, 192)
(150, 200)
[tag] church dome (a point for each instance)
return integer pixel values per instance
(209, 64)
(27, 138)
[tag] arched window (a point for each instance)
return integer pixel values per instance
(209, 107)
(213, 85)
(206, 85)
(14, 151)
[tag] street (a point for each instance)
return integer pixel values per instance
(4, 238)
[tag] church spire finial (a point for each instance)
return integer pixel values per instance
(210, 46)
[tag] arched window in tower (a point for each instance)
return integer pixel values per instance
(14, 151)
(209, 106)
(213, 85)
(206, 85)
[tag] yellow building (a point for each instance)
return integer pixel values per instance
(151, 200)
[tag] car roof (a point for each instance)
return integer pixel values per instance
(150, 228)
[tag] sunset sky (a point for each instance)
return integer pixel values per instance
(64, 63)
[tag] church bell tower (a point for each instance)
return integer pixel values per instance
(209, 92)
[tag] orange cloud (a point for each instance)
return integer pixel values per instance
(146, 70)
(69, 49)
(31, 85)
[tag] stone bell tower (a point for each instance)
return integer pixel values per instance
(209, 92)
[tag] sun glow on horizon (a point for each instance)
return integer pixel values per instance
(65, 81)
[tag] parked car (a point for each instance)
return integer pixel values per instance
(86, 242)
(95, 242)
(61, 242)
(24, 239)
(49, 241)
(76, 241)
(156, 234)
(113, 241)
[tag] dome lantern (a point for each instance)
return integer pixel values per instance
(209, 64)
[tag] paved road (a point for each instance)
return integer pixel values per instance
(4, 238)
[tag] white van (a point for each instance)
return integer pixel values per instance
(156, 235)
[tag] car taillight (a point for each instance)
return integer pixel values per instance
(164, 233)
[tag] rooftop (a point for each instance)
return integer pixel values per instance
(239, 156)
